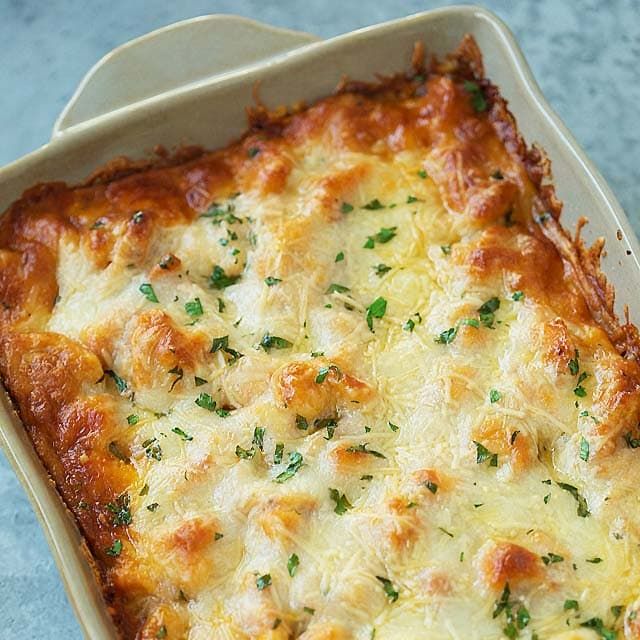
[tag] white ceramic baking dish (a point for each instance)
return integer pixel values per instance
(190, 83)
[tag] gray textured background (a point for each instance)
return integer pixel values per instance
(585, 55)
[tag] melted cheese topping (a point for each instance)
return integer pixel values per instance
(351, 389)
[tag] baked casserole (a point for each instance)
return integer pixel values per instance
(346, 378)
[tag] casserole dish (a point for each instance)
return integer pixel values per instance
(180, 115)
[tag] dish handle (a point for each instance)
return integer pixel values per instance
(172, 57)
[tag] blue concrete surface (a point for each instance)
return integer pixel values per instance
(584, 54)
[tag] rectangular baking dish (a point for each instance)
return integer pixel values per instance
(189, 83)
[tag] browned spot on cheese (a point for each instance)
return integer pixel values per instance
(400, 524)
(280, 516)
(496, 433)
(558, 346)
(435, 583)
(503, 562)
(530, 263)
(297, 389)
(157, 346)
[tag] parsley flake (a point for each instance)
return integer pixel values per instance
(270, 281)
(220, 280)
(346, 207)
(292, 564)
(376, 309)
(115, 549)
(147, 290)
(295, 462)
(193, 308)
(269, 342)
(390, 591)
(478, 101)
(483, 454)
(263, 582)
(342, 503)
(374, 205)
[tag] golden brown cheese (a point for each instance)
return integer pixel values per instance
(346, 378)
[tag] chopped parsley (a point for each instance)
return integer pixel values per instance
(580, 391)
(221, 305)
(362, 448)
(252, 152)
(222, 214)
(269, 342)
(121, 384)
(323, 372)
(220, 280)
(245, 454)
(301, 422)
(390, 591)
(594, 560)
(179, 373)
(382, 237)
(277, 454)
(205, 401)
(570, 604)
(263, 582)
(584, 449)
(258, 437)
(342, 503)
(295, 462)
(478, 101)
(409, 325)
(598, 626)
(179, 432)
(516, 296)
(583, 510)
(222, 344)
(447, 336)
(446, 249)
(133, 419)
(292, 564)
(152, 449)
(153, 507)
(193, 308)
(393, 427)
(374, 205)
(120, 510)
(494, 396)
(339, 256)
(551, 558)
(346, 207)
(115, 549)
(487, 312)
(632, 443)
(516, 614)
(161, 632)
(376, 309)
(270, 281)
(329, 423)
(483, 454)
(147, 290)
(432, 486)
(334, 287)
(116, 452)
(381, 269)
(412, 199)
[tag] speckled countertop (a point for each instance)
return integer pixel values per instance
(585, 55)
